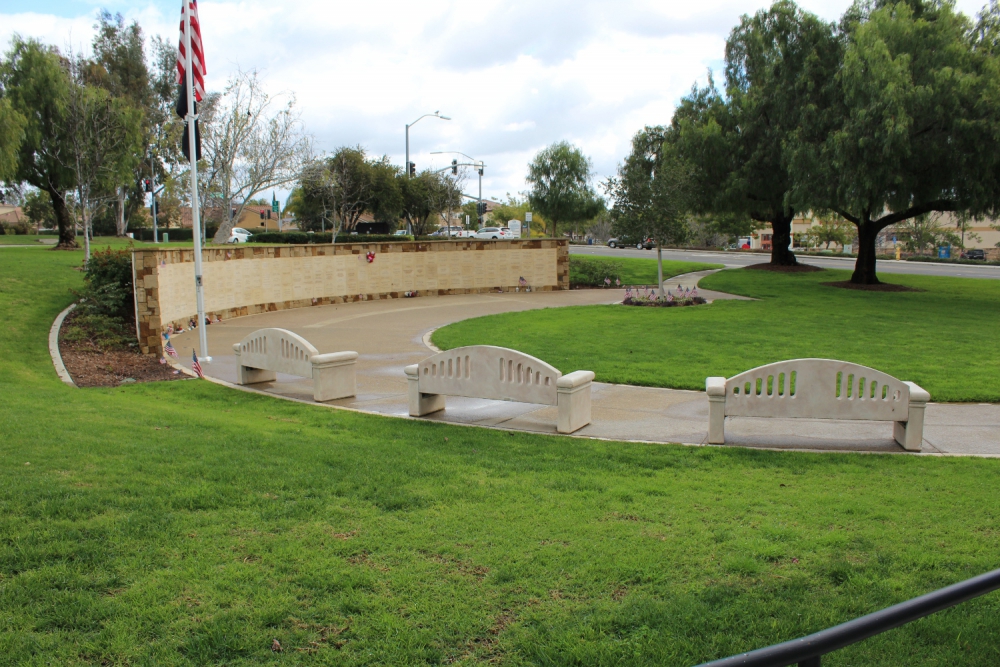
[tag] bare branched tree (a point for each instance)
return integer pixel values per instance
(251, 143)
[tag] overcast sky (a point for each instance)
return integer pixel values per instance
(514, 76)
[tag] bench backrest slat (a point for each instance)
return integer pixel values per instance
(277, 350)
(486, 371)
(817, 389)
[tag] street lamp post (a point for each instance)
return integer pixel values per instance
(478, 164)
(436, 114)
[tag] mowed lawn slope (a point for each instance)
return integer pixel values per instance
(185, 523)
(943, 338)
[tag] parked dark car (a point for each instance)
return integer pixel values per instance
(974, 253)
(625, 242)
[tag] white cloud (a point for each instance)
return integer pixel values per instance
(514, 75)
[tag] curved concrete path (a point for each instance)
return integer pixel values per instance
(390, 334)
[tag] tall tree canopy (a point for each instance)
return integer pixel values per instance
(560, 185)
(738, 142)
(37, 87)
(911, 126)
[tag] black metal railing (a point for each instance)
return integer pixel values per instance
(809, 651)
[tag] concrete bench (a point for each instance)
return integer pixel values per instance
(266, 352)
(818, 389)
(498, 373)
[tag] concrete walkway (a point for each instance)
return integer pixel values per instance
(391, 334)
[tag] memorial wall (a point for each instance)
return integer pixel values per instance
(249, 279)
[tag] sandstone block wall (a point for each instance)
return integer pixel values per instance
(244, 280)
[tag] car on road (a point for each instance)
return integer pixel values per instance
(974, 253)
(239, 235)
(492, 233)
(454, 232)
(638, 244)
(400, 232)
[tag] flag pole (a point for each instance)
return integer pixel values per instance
(195, 207)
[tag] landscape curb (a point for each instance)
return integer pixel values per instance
(54, 346)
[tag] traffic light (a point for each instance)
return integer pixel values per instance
(481, 209)
(454, 167)
(268, 214)
(413, 169)
(261, 214)
(480, 171)
(147, 185)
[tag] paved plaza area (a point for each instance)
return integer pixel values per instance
(391, 334)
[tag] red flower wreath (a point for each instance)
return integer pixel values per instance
(370, 256)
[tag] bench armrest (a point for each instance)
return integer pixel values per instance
(413, 370)
(917, 393)
(575, 379)
(333, 358)
(715, 386)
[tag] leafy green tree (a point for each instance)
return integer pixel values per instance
(912, 126)
(420, 196)
(386, 203)
(119, 66)
(37, 87)
(560, 185)
(38, 209)
(12, 126)
(923, 233)
(106, 139)
(737, 143)
(836, 231)
(651, 194)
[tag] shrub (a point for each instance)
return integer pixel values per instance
(176, 233)
(108, 284)
(325, 237)
(591, 272)
(106, 311)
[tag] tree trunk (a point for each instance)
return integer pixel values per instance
(120, 221)
(781, 238)
(864, 268)
(67, 227)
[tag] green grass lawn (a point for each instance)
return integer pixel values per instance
(185, 523)
(635, 271)
(943, 338)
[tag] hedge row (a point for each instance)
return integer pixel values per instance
(176, 234)
(303, 237)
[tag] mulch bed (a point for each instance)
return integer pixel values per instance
(90, 366)
(878, 287)
(795, 268)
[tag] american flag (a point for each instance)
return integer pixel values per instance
(522, 282)
(169, 349)
(197, 53)
(195, 366)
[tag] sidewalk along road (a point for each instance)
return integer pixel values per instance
(733, 260)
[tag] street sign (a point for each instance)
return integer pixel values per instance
(527, 216)
(515, 228)
(274, 205)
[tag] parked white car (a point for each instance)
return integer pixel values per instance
(239, 235)
(492, 233)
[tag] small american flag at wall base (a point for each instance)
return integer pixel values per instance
(195, 366)
(169, 349)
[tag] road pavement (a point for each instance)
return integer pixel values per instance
(737, 259)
